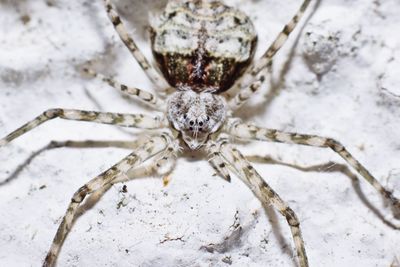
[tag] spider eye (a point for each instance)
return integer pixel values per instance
(184, 116)
(201, 123)
(207, 118)
(191, 123)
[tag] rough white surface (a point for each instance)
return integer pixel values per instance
(355, 100)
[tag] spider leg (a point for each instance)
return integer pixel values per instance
(127, 120)
(217, 162)
(236, 161)
(146, 151)
(143, 95)
(248, 85)
(166, 160)
(279, 40)
(245, 93)
(153, 75)
(250, 131)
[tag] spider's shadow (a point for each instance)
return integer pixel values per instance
(329, 167)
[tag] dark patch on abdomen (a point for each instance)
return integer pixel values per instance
(218, 74)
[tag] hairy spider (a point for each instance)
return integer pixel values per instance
(202, 48)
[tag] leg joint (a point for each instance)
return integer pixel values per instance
(80, 195)
(53, 113)
(291, 217)
(334, 145)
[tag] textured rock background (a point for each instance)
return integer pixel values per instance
(339, 79)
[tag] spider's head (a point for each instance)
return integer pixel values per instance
(196, 115)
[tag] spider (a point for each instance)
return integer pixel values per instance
(201, 48)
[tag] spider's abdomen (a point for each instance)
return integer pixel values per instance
(202, 45)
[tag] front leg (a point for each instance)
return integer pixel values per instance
(250, 131)
(120, 119)
(143, 153)
(230, 158)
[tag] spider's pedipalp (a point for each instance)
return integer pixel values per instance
(217, 161)
(165, 161)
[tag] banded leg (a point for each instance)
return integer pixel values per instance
(265, 194)
(143, 153)
(127, 120)
(266, 58)
(153, 75)
(144, 96)
(244, 94)
(165, 161)
(217, 162)
(280, 40)
(249, 131)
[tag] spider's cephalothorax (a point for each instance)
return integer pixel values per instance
(196, 115)
(203, 45)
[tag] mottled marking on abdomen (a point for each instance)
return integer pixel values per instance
(202, 45)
